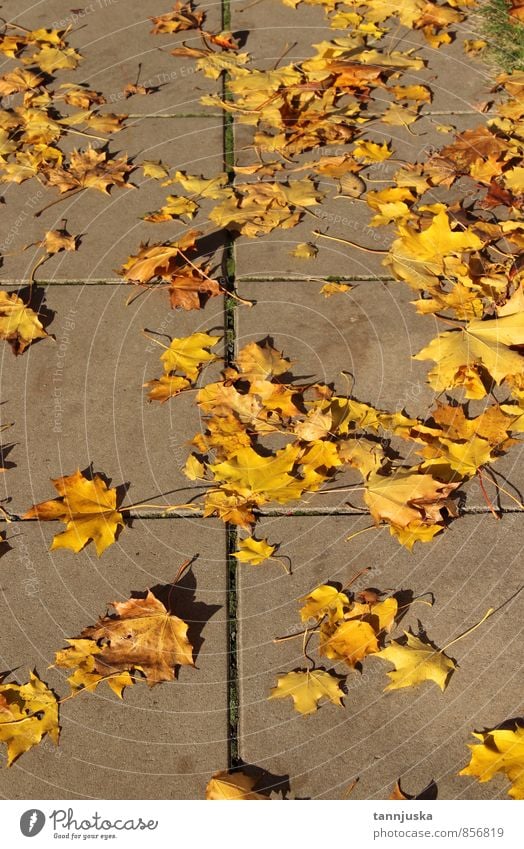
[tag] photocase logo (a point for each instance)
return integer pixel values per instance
(32, 822)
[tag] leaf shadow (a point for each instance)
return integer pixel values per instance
(266, 782)
(180, 600)
(4, 545)
(429, 793)
(511, 724)
(34, 297)
(4, 451)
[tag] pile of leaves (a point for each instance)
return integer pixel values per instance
(350, 629)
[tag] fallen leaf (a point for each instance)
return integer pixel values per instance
(416, 662)
(500, 750)
(188, 354)
(87, 508)
(165, 387)
(232, 786)
(181, 18)
(460, 353)
(27, 713)
(91, 169)
(59, 240)
(330, 289)
(142, 636)
(155, 170)
(306, 688)
(19, 324)
(253, 551)
(350, 641)
(305, 250)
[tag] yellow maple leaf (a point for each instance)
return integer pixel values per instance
(189, 353)
(261, 478)
(330, 289)
(420, 93)
(406, 496)
(371, 152)
(19, 80)
(230, 506)
(260, 361)
(194, 469)
(306, 688)
(50, 59)
(19, 324)
(81, 655)
(459, 354)
(213, 187)
(414, 532)
(87, 507)
(416, 662)
(418, 256)
(174, 207)
(91, 169)
(304, 250)
(500, 750)
(254, 551)
(155, 170)
(27, 713)
(165, 387)
(380, 614)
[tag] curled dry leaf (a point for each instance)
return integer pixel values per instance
(55, 241)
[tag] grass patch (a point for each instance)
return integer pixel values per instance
(505, 36)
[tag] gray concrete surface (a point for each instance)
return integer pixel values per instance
(80, 400)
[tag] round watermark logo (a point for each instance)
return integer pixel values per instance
(32, 822)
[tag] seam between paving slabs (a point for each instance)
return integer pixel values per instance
(268, 512)
(229, 357)
(282, 278)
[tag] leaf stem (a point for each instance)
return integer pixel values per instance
(62, 197)
(351, 244)
(469, 631)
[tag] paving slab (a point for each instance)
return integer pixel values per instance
(111, 227)
(79, 400)
(418, 734)
(370, 332)
(158, 743)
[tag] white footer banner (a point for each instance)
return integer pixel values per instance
(149, 823)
